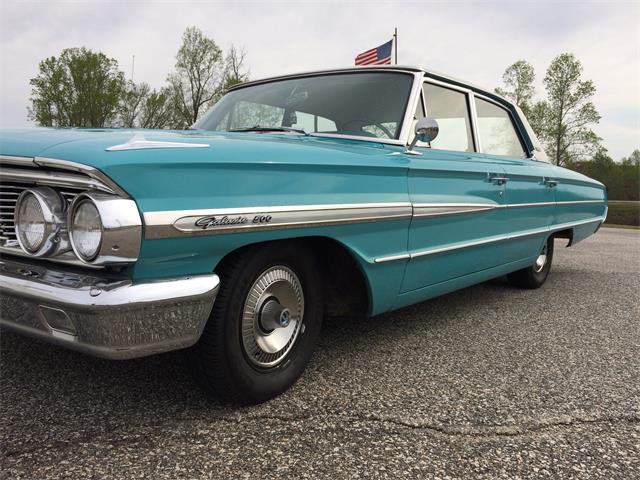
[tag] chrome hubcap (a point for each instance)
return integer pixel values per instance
(272, 316)
(541, 261)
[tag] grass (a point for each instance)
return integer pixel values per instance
(623, 213)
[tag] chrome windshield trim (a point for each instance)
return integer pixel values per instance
(231, 220)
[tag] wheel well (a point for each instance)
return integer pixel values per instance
(568, 234)
(346, 291)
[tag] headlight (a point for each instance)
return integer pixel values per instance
(85, 229)
(39, 220)
(104, 229)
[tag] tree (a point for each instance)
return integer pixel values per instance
(157, 110)
(235, 72)
(199, 75)
(80, 88)
(133, 99)
(565, 118)
(518, 82)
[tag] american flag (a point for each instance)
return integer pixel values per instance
(376, 56)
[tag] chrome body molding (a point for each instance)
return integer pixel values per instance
(52, 179)
(138, 142)
(231, 220)
(173, 223)
(74, 175)
(108, 185)
(488, 240)
(104, 316)
(438, 209)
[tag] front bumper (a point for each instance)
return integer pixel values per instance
(105, 317)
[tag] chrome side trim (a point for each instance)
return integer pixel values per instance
(583, 202)
(488, 240)
(230, 220)
(421, 210)
(392, 258)
(501, 238)
(166, 224)
(530, 205)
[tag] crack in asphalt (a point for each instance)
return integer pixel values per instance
(471, 430)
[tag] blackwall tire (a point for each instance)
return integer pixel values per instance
(534, 276)
(264, 324)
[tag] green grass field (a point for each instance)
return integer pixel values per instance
(623, 213)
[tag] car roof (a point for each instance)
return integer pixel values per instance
(393, 68)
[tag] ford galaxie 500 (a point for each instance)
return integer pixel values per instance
(345, 192)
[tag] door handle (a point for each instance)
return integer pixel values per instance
(550, 183)
(499, 180)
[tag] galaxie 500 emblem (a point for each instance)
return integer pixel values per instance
(223, 221)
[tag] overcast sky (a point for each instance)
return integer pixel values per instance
(474, 41)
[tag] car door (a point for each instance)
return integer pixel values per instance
(457, 195)
(529, 198)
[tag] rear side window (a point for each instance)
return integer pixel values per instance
(497, 134)
(451, 110)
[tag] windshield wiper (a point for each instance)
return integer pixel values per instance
(258, 128)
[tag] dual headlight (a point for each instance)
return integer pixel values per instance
(99, 228)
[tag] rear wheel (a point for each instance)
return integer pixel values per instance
(535, 275)
(264, 324)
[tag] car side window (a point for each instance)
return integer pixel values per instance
(450, 108)
(497, 134)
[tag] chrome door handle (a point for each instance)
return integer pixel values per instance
(500, 180)
(551, 183)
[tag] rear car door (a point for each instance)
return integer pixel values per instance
(456, 194)
(530, 198)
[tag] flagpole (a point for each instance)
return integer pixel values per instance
(395, 43)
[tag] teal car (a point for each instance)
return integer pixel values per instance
(334, 193)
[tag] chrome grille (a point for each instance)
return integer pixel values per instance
(9, 193)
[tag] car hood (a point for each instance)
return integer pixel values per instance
(95, 147)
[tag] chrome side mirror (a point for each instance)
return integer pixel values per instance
(426, 131)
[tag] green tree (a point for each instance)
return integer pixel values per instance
(199, 75)
(235, 71)
(518, 85)
(158, 110)
(133, 99)
(564, 120)
(80, 88)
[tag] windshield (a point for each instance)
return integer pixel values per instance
(368, 104)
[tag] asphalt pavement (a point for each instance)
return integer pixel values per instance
(488, 382)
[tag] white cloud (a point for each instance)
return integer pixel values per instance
(473, 41)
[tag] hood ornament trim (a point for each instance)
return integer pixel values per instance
(138, 142)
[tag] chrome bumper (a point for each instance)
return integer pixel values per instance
(106, 317)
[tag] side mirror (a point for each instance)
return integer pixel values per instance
(426, 131)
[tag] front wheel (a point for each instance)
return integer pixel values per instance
(535, 275)
(263, 326)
